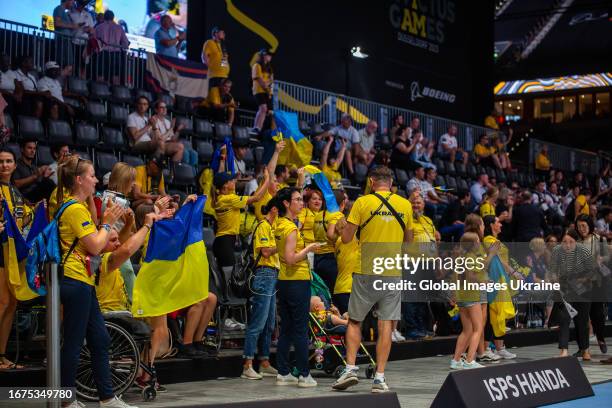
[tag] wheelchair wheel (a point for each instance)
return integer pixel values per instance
(149, 393)
(124, 359)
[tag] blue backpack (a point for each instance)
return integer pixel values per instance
(45, 249)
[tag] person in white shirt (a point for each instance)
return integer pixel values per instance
(144, 133)
(51, 87)
(59, 152)
(83, 19)
(448, 147)
(478, 189)
(7, 75)
(364, 152)
(169, 143)
(345, 131)
(26, 95)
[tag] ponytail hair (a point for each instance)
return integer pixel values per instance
(282, 196)
(67, 173)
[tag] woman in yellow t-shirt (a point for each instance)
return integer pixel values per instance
(227, 207)
(263, 77)
(325, 264)
(487, 207)
(293, 290)
(314, 201)
(470, 305)
(22, 215)
(81, 241)
(331, 166)
(263, 302)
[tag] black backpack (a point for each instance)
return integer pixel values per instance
(241, 275)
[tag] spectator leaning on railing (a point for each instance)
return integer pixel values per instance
(114, 41)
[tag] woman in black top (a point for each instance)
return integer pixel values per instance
(402, 147)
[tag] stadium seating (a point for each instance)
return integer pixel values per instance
(31, 128)
(86, 135)
(44, 156)
(100, 90)
(60, 132)
(203, 129)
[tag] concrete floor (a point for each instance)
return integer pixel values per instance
(415, 381)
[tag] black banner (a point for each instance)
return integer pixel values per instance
(424, 55)
(527, 384)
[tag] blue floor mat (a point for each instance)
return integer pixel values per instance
(602, 398)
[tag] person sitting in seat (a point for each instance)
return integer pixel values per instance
(149, 186)
(486, 153)
(219, 105)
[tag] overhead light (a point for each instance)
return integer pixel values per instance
(571, 100)
(582, 96)
(563, 98)
(356, 52)
(509, 105)
(518, 107)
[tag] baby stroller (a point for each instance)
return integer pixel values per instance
(329, 344)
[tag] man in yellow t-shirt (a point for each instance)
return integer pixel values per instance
(349, 262)
(388, 224)
(485, 153)
(262, 77)
(214, 55)
(219, 105)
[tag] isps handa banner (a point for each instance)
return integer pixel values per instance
(176, 76)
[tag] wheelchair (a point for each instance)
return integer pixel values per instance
(128, 340)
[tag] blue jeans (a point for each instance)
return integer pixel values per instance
(83, 319)
(190, 156)
(263, 314)
(415, 316)
(293, 308)
(326, 266)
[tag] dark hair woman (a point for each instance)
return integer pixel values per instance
(293, 290)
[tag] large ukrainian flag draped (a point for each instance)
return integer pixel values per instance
(298, 150)
(174, 274)
(500, 302)
(321, 181)
(15, 250)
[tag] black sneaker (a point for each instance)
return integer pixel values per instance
(190, 351)
(206, 349)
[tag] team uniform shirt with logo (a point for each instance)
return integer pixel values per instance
(349, 262)
(300, 270)
(322, 221)
(227, 210)
(306, 217)
(218, 64)
(383, 227)
(76, 222)
(110, 289)
(264, 238)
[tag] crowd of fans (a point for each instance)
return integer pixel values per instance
(293, 233)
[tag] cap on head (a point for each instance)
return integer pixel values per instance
(221, 178)
(50, 65)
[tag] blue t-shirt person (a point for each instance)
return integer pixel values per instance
(160, 48)
(63, 14)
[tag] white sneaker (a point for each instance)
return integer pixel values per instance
(398, 336)
(473, 364)
(249, 374)
(116, 403)
(75, 404)
(505, 354)
(347, 379)
(489, 356)
(306, 382)
(268, 371)
(286, 379)
(456, 365)
(379, 386)
(241, 326)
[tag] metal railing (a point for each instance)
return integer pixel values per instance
(566, 158)
(117, 65)
(318, 106)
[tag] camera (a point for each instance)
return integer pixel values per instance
(117, 199)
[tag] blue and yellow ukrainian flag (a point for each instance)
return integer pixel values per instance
(298, 150)
(15, 250)
(174, 273)
(229, 157)
(323, 183)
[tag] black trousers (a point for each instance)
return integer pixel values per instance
(581, 323)
(598, 319)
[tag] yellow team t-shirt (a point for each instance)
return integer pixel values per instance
(487, 209)
(322, 221)
(349, 262)
(76, 222)
(424, 229)
(583, 205)
(383, 227)
(16, 204)
(299, 271)
(264, 238)
(227, 210)
(144, 181)
(306, 217)
(259, 204)
(332, 175)
(490, 122)
(218, 64)
(483, 151)
(111, 288)
(257, 72)
(542, 162)
(503, 250)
